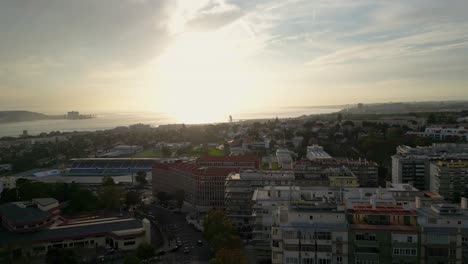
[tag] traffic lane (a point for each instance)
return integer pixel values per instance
(186, 233)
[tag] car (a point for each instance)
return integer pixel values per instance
(174, 248)
(161, 252)
(199, 242)
(186, 251)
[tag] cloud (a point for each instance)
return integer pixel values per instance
(204, 15)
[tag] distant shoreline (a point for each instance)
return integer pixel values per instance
(7, 117)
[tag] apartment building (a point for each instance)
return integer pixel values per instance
(203, 186)
(444, 233)
(316, 235)
(450, 178)
(381, 234)
(267, 199)
(234, 162)
(239, 190)
(412, 165)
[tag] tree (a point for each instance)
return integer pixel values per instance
(110, 197)
(131, 259)
(431, 119)
(145, 250)
(132, 198)
(166, 152)
(59, 256)
(229, 256)
(108, 181)
(227, 149)
(339, 117)
(180, 196)
(219, 231)
(141, 178)
(163, 196)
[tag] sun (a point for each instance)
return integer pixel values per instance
(203, 78)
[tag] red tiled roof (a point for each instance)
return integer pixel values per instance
(381, 209)
(191, 167)
(402, 228)
(244, 158)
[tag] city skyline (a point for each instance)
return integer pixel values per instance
(209, 58)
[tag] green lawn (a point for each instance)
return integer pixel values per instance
(149, 153)
(212, 151)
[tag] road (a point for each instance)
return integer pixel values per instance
(174, 225)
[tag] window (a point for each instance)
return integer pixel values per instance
(339, 260)
(405, 252)
(365, 236)
(323, 235)
(129, 243)
(410, 239)
(366, 261)
(308, 261)
(292, 260)
(324, 261)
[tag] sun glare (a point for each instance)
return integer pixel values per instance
(202, 77)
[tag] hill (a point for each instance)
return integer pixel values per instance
(18, 116)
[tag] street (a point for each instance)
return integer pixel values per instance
(175, 227)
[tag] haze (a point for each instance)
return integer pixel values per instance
(208, 58)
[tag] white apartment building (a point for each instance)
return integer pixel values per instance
(267, 199)
(239, 189)
(444, 233)
(412, 165)
(444, 133)
(285, 159)
(309, 236)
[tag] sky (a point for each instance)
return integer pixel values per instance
(206, 57)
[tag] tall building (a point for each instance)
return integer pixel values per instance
(450, 178)
(313, 235)
(366, 171)
(444, 237)
(203, 186)
(238, 195)
(412, 165)
(383, 234)
(234, 162)
(266, 200)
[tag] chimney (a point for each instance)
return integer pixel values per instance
(418, 202)
(372, 202)
(464, 203)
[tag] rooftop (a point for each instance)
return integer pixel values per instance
(243, 158)
(73, 232)
(191, 167)
(381, 209)
(22, 215)
(44, 201)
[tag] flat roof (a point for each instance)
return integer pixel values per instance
(18, 215)
(242, 158)
(63, 233)
(44, 201)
